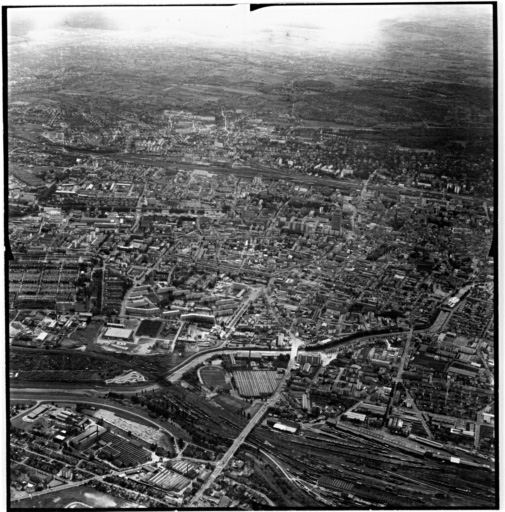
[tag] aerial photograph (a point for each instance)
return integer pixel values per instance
(250, 256)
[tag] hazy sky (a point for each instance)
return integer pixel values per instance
(334, 23)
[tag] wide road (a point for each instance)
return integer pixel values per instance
(256, 292)
(200, 358)
(81, 389)
(405, 355)
(63, 487)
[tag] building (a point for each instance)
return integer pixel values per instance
(36, 413)
(116, 333)
(88, 437)
(336, 220)
(287, 426)
(354, 417)
(134, 311)
(199, 317)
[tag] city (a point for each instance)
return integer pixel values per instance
(251, 277)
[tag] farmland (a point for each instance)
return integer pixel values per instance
(149, 328)
(256, 383)
(213, 377)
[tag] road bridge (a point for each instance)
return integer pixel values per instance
(247, 430)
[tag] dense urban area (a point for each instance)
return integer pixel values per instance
(251, 279)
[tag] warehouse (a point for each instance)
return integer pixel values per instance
(88, 437)
(354, 417)
(36, 413)
(287, 426)
(116, 333)
(198, 317)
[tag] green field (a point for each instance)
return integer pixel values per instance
(212, 377)
(87, 336)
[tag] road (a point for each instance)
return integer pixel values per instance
(177, 374)
(178, 333)
(255, 293)
(270, 306)
(195, 361)
(247, 430)
(138, 209)
(489, 373)
(83, 391)
(405, 355)
(337, 379)
(419, 415)
(70, 485)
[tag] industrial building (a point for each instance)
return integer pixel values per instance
(88, 437)
(116, 333)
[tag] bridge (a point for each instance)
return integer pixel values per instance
(247, 430)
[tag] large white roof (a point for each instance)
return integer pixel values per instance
(116, 332)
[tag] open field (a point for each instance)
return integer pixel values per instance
(212, 377)
(87, 336)
(256, 383)
(231, 403)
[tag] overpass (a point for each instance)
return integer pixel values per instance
(177, 373)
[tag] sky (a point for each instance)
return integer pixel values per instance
(235, 23)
